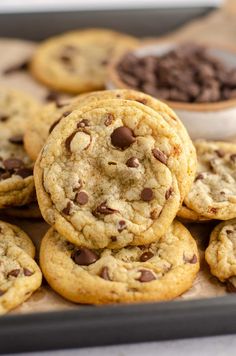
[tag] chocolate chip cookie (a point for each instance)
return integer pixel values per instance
(213, 193)
(39, 128)
(19, 274)
(110, 174)
(159, 271)
(76, 62)
(16, 169)
(220, 254)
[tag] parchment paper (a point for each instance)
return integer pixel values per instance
(219, 26)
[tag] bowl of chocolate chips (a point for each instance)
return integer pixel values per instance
(195, 80)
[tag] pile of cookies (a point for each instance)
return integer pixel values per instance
(114, 172)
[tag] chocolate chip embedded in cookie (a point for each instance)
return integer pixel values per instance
(76, 62)
(16, 169)
(88, 191)
(220, 254)
(213, 193)
(131, 274)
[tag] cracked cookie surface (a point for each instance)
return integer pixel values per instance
(19, 274)
(76, 62)
(213, 193)
(109, 175)
(16, 169)
(159, 271)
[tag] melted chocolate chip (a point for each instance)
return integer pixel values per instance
(213, 210)
(160, 156)
(83, 123)
(3, 118)
(109, 119)
(103, 209)
(1, 292)
(200, 176)
(154, 214)
(17, 140)
(17, 67)
(54, 125)
(147, 194)
(14, 273)
(121, 225)
(132, 162)
(27, 272)
(168, 193)
(69, 139)
(229, 232)
(146, 256)
(113, 238)
(24, 172)
(104, 273)
(66, 210)
(142, 101)
(82, 198)
(191, 260)
(5, 175)
(84, 257)
(13, 163)
(65, 58)
(122, 137)
(146, 276)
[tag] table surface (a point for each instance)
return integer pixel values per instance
(217, 346)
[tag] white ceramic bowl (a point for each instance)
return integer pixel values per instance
(212, 121)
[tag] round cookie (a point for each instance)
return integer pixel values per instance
(19, 276)
(187, 215)
(15, 235)
(16, 169)
(220, 254)
(213, 193)
(160, 271)
(14, 71)
(76, 62)
(109, 175)
(39, 128)
(30, 211)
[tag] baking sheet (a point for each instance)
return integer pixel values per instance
(222, 23)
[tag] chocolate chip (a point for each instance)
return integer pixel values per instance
(84, 257)
(3, 118)
(132, 162)
(122, 137)
(146, 256)
(104, 273)
(27, 272)
(191, 260)
(220, 153)
(54, 125)
(2, 292)
(213, 210)
(24, 172)
(66, 210)
(230, 287)
(13, 163)
(147, 194)
(233, 157)
(17, 140)
(109, 119)
(200, 176)
(142, 101)
(17, 67)
(65, 58)
(82, 198)
(113, 238)
(54, 96)
(168, 193)
(160, 156)
(229, 232)
(83, 123)
(146, 276)
(14, 273)
(121, 225)
(5, 175)
(69, 139)
(103, 209)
